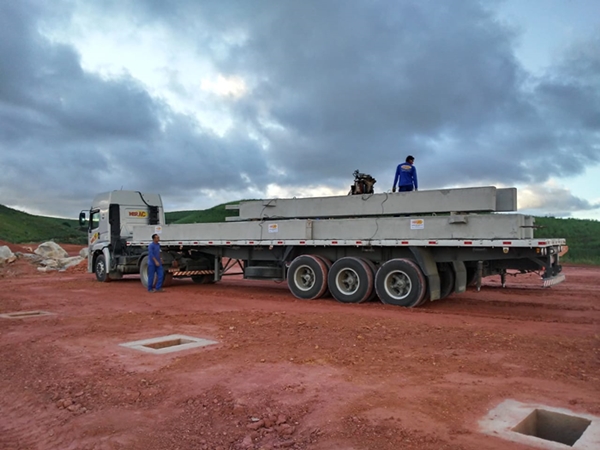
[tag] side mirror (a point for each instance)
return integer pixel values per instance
(82, 219)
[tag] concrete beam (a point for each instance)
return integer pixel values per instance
(478, 199)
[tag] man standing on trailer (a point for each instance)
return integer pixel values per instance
(155, 265)
(406, 176)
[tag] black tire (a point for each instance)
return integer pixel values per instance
(351, 280)
(328, 263)
(371, 264)
(307, 277)
(400, 282)
(447, 279)
(203, 279)
(101, 269)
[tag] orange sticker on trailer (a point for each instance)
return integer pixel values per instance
(140, 214)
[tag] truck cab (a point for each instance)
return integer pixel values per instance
(110, 223)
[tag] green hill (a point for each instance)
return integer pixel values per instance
(215, 214)
(583, 236)
(19, 227)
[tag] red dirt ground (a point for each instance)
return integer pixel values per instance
(286, 373)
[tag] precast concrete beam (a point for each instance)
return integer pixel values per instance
(468, 227)
(477, 199)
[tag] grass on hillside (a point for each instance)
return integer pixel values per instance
(583, 237)
(215, 214)
(19, 227)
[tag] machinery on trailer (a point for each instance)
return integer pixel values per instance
(404, 248)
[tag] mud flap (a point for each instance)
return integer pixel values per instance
(460, 283)
(429, 267)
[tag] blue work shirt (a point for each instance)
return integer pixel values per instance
(154, 252)
(406, 175)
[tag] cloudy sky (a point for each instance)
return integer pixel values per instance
(209, 101)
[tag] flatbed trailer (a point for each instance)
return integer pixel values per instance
(356, 248)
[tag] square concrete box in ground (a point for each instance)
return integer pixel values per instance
(542, 426)
(168, 344)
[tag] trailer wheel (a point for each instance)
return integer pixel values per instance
(400, 282)
(307, 277)
(351, 280)
(371, 264)
(447, 279)
(101, 269)
(328, 263)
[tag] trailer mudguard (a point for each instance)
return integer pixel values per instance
(427, 264)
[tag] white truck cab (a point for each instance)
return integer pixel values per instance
(110, 222)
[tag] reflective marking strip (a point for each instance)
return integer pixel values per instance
(185, 273)
(554, 280)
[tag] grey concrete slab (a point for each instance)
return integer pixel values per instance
(477, 199)
(472, 226)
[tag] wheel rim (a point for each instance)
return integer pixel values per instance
(397, 284)
(304, 278)
(100, 269)
(347, 281)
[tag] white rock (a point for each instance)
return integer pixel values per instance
(6, 256)
(65, 263)
(51, 250)
(84, 252)
(51, 264)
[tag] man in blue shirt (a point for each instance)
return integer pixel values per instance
(406, 176)
(155, 265)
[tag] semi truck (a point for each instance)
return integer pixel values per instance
(403, 248)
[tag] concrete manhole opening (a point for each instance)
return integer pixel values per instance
(168, 344)
(25, 314)
(542, 426)
(553, 426)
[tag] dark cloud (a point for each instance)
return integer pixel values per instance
(333, 87)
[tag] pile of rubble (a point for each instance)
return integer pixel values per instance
(48, 256)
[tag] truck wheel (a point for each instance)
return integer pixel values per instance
(307, 277)
(351, 280)
(400, 282)
(144, 271)
(101, 270)
(447, 279)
